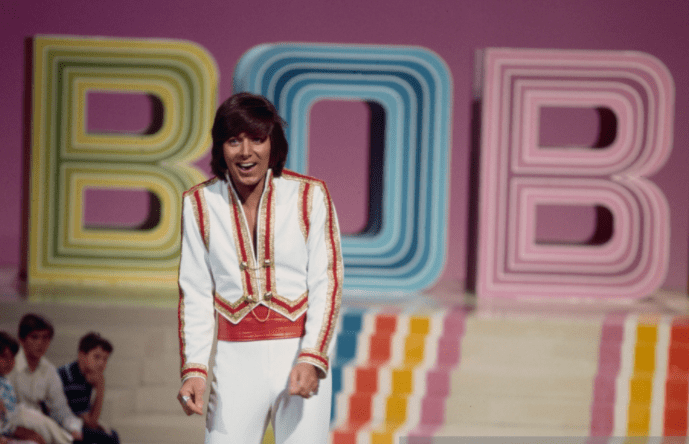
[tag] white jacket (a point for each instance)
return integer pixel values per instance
(296, 269)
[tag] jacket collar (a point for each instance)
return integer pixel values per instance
(21, 365)
(266, 183)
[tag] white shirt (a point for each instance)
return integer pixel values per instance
(43, 385)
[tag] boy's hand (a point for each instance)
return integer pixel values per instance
(90, 422)
(96, 379)
(24, 434)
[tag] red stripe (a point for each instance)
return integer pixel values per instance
(194, 370)
(268, 237)
(287, 307)
(287, 172)
(202, 222)
(180, 333)
(335, 281)
(677, 382)
(324, 361)
(304, 207)
(307, 179)
(230, 309)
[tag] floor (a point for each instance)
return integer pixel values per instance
(442, 365)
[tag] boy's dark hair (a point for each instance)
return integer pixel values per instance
(7, 341)
(93, 340)
(32, 322)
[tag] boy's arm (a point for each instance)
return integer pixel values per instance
(5, 426)
(58, 406)
(24, 434)
(97, 380)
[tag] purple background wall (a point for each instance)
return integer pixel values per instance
(452, 29)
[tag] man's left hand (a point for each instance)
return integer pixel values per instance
(303, 380)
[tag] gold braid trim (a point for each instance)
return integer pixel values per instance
(315, 358)
(242, 240)
(334, 256)
(292, 315)
(231, 311)
(198, 204)
(180, 326)
(266, 241)
(335, 274)
(192, 370)
(304, 208)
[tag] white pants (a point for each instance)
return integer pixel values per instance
(45, 426)
(250, 387)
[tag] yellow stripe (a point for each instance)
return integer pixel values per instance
(397, 405)
(641, 382)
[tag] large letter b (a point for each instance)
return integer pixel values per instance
(518, 174)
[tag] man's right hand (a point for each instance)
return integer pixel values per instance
(193, 389)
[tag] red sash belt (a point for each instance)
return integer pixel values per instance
(251, 327)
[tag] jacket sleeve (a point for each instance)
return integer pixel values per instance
(325, 273)
(196, 314)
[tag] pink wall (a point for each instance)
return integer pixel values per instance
(452, 29)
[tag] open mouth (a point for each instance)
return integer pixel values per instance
(246, 166)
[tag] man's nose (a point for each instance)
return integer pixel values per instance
(245, 147)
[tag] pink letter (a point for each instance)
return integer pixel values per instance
(518, 175)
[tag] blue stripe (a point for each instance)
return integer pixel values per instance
(351, 322)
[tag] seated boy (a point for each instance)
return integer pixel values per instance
(80, 378)
(10, 432)
(38, 385)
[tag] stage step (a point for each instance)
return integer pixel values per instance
(421, 370)
(510, 374)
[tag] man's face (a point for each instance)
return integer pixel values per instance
(94, 361)
(6, 362)
(36, 343)
(248, 160)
